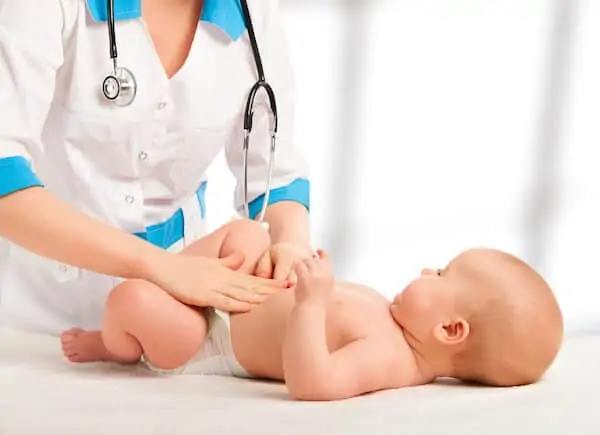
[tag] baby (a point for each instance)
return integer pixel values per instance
(486, 318)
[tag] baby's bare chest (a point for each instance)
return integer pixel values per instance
(350, 317)
(258, 336)
(350, 314)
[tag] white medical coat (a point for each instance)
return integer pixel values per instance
(140, 168)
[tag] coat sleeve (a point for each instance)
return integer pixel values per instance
(30, 53)
(290, 180)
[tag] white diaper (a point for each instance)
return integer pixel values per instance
(216, 357)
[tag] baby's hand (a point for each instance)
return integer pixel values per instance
(315, 278)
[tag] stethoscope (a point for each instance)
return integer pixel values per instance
(120, 87)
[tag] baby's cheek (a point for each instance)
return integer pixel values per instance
(416, 303)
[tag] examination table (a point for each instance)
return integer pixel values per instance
(42, 394)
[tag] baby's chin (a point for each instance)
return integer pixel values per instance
(397, 298)
(395, 312)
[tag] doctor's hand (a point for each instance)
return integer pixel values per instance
(204, 282)
(279, 260)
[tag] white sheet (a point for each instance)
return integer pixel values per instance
(40, 393)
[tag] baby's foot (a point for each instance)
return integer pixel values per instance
(83, 346)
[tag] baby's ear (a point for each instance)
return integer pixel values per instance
(453, 332)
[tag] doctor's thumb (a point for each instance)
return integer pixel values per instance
(264, 268)
(232, 261)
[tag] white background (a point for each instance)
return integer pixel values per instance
(458, 117)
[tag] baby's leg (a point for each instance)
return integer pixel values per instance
(244, 235)
(140, 318)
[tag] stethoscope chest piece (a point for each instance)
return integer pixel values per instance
(120, 87)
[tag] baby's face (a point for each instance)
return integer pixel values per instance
(496, 302)
(428, 301)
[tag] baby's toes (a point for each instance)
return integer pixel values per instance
(68, 339)
(69, 351)
(70, 334)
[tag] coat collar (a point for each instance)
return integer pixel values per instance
(227, 15)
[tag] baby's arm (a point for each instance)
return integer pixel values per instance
(244, 236)
(311, 371)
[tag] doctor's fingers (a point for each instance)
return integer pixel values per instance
(264, 268)
(293, 278)
(222, 302)
(284, 267)
(251, 281)
(244, 294)
(260, 290)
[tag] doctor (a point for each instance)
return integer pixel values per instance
(95, 189)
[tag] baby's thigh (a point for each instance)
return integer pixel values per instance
(249, 238)
(169, 332)
(239, 236)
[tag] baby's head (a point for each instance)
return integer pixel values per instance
(487, 317)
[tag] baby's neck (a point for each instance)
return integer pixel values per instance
(431, 363)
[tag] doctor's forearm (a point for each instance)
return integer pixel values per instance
(289, 223)
(41, 223)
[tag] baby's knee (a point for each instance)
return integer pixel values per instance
(130, 297)
(248, 232)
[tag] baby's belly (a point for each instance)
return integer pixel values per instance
(257, 336)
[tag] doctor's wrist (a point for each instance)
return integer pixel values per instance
(150, 265)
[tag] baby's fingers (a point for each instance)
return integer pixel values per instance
(322, 255)
(311, 265)
(301, 271)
